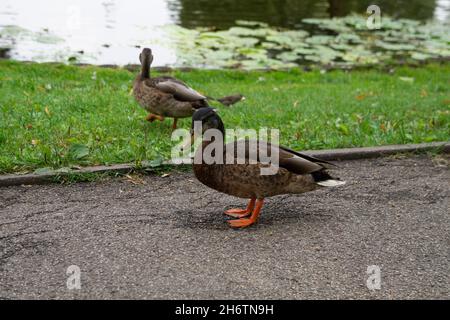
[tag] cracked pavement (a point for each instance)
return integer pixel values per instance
(167, 238)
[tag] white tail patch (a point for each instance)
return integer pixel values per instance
(331, 183)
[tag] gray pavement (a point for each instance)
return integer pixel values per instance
(168, 238)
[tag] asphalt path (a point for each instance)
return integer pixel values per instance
(155, 237)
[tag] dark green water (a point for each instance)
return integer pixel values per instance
(289, 13)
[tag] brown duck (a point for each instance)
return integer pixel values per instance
(167, 96)
(297, 173)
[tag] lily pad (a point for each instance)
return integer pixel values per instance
(393, 46)
(288, 56)
(246, 23)
(320, 39)
(242, 31)
(421, 56)
(339, 41)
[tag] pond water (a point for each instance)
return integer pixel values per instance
(112, 31)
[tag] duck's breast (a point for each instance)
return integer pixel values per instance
(243, 180)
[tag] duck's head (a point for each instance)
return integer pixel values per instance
(146, 57)
(209, 119)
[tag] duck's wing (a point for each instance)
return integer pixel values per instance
(299, 163)
(177, 88)
(323, 163)
(288, 159)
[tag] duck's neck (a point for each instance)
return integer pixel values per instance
(145, 69)
(215, 138)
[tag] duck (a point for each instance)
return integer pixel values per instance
(167, 96)
(296, 173)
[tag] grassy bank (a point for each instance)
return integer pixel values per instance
(60, 116)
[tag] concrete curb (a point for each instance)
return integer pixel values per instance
(376, 152)
(330, 155)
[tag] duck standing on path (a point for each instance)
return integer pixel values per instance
(166, 96)
(297, 173)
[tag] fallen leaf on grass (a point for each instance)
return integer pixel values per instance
(79, 151)
(134, 179)
(441, 161)
(360, 97)
(359, 118)
(46, 170)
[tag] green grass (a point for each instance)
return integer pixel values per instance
(60, 116)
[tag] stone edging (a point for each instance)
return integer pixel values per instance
(330, 155)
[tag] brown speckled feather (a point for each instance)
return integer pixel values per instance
(162, 103)
(245, 180)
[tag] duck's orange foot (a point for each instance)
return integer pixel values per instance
(241, 223)
(238, 213)
(245, 222)
(152, 117)
(242, 213)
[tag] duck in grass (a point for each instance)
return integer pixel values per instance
(169, 97)
(296, 173)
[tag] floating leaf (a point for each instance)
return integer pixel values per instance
(420, 56)
(242, 31)
(348, 38)
(319, 39)
(394, 47)
(288, 56)
(313, 21)
(345, 42)
(246, 23)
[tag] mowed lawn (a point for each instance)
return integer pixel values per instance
(55, 116)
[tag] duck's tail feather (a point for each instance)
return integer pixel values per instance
(331, 183)
(228, 100)
(323, 178)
